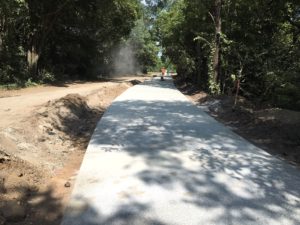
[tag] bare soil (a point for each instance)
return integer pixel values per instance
(44, 132)
(274, 130)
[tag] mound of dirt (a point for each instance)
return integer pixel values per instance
(135, 82)
(69, 115)
(40, 156)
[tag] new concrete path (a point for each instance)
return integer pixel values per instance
(156, 159)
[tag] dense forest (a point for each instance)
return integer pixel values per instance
(223, 46)
(43, 40)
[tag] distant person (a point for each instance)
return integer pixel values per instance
(163, 73)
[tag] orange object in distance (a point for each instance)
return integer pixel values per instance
(163, 71)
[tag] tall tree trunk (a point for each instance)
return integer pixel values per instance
(217, 53)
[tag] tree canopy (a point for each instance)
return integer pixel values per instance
(42, 39)
(217, 43)
(220, 45)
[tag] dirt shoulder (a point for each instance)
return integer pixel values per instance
(274, 130)
(44, 132)
(17, 105)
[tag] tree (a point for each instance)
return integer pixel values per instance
(62, 37)
(217, 48)
(11, 55)
(216, 43)
(144, 46)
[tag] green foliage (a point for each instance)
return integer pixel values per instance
(30, 83)
(12, 62)
(260, 44)
(144, 47)
(42, 40)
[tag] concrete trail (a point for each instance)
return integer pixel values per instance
(157, 159)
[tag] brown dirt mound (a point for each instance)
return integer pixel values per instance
(69, 115)
(40, 156)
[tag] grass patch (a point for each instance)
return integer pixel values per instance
(10, 87)
(16, 86)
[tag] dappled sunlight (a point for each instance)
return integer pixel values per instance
(170, 157)
(84, 213)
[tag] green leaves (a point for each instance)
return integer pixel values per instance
(65, 37)
(259, 40)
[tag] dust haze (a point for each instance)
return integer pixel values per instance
(125, 61)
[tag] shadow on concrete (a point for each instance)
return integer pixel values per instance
(242, 182)
(124, 215)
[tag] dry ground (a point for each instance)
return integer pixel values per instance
(277, 131)
(44, 132)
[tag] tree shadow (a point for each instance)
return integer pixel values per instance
(125, 214)
(198, 167)
(39, 207)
